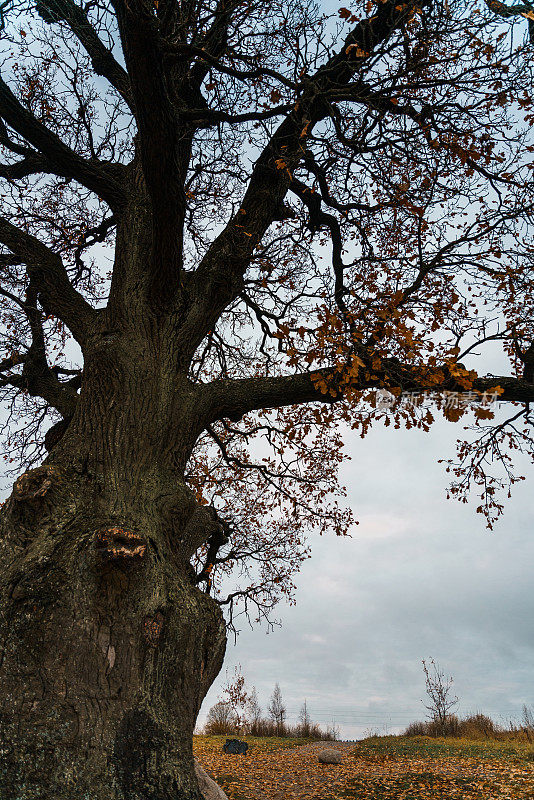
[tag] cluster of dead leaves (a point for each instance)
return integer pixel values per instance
(387, 769)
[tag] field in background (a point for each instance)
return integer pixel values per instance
(476, 726)
(209, 744)
(379, 768)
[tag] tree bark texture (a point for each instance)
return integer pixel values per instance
(107, 645)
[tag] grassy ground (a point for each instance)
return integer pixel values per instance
(518, 751)
(258, 743)
(438, 769)
(381, 768)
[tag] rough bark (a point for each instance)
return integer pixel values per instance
(107, 646)
(107, 652)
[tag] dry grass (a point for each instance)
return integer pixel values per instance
(474, 727)
(267, 728)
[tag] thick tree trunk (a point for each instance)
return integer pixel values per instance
(107, 647)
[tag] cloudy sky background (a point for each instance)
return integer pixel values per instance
(421, 577)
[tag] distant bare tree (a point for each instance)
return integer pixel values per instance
(528, 719)
(438, 689)
(254, 711)
(277, 710)
(305, 722)
(221, 719)
(332, 732)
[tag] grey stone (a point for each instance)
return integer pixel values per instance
(235, 746)
(330, 756)
(208, 788)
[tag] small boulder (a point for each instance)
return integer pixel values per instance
(208, 788)
(235, 746)
(330, 757)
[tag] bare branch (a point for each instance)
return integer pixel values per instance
(33, 164)
(102, 59)
(103, 179)
(46, 270)
(37, 377)
(219, 278)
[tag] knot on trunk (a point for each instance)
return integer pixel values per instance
(32, 486)
(152, 628)
(203, 524)
(119, 544)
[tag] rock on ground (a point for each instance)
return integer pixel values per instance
(208, 788)
(235, 746)
(329, 756)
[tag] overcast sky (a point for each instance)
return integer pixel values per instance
(422, 577)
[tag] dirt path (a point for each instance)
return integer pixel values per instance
(291, 778)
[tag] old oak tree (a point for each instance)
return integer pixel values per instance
(255, 221)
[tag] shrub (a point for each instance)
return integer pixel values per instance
(479, 725)
(224, 724)
(221, 720)
(448, 727)
(475, 726)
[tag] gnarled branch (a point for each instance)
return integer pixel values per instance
(233, 398)
(219, 277)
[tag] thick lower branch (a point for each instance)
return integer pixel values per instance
(233, 398)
